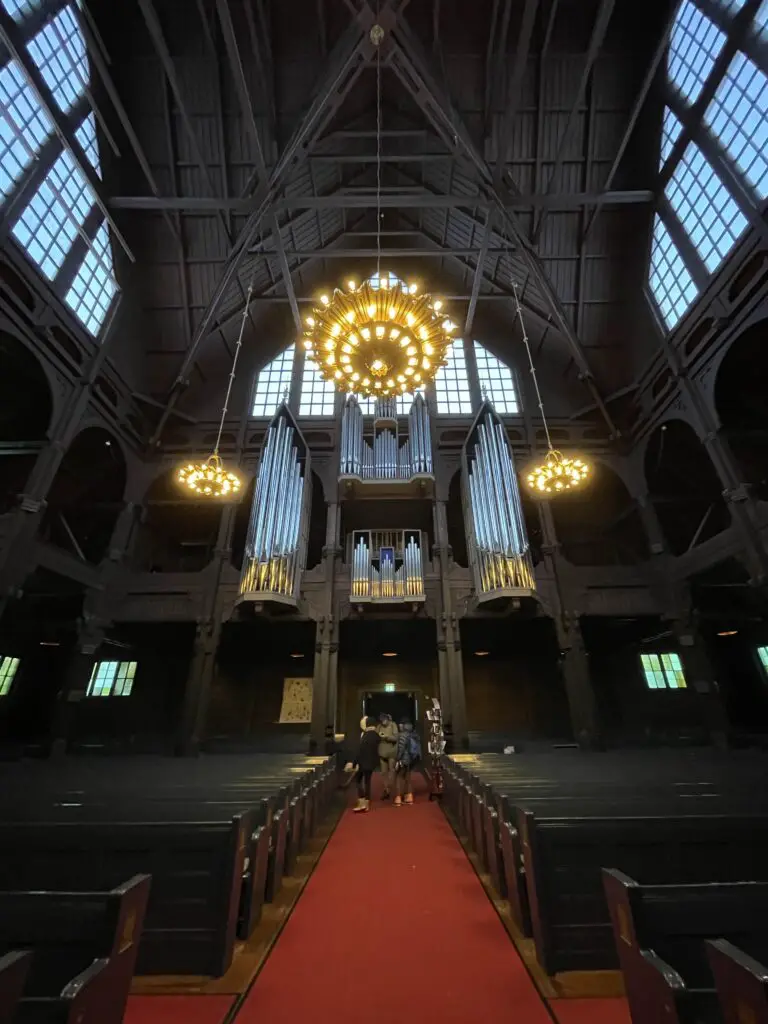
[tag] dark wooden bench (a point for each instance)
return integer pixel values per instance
(84, 947)
(14, 968)
(741, 983)
(660, 933)
(197, 870)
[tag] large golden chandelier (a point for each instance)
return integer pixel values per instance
(379, 338)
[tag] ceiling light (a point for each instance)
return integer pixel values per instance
(482, 654)
(728, 632)
(210, 479)
(297, 655)
(394, 329)
(557, 473)
(389, 654)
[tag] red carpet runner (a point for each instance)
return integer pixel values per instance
(393, 925)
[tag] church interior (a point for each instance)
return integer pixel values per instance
(368, 364)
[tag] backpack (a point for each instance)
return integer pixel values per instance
(412, 749)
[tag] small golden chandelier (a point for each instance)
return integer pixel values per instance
(210, 478)
(557, 472)
(379, 338)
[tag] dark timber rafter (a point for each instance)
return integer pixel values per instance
(410, 68)
(345, 65)
(595, 43)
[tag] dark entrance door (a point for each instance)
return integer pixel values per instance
(400, 705)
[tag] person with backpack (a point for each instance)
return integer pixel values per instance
(407, 755)
(366, 761)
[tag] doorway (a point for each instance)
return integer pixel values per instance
(400, 704)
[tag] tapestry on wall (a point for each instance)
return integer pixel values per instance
(297, 701)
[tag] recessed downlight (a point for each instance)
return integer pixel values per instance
(389, 654)
(296, 654)
(482, 654)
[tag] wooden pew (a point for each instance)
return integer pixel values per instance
(741, 983)
(660, 933)
(84, 947)
(14, 968)
(197, 871)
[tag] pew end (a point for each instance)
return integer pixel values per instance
(741, 982)
(14, 968)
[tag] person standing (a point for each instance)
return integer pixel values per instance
(388, 733)
(407, 755)
(366, 761)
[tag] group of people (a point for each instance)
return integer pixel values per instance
(394, 750)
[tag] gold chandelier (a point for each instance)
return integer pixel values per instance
(210, 478)
(557, 472)
(379, 338)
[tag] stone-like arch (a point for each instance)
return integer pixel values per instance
(741, 404)
(684, 487)
(177, 534)
(600, 525)
(86, 496)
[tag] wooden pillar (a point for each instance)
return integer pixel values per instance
(574, 662)
(325, 679)
(450, 665)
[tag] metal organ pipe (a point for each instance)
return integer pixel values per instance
(274, 551)
(496, 527)
(385, 457)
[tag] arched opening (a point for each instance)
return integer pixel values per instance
(740, 400)
(177, 534)
(318, 521)
(454, 513)
(26, 407)
(86, 496)
(683, 487)
(601, 524)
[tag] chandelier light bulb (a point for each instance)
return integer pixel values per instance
(397, 328)
(557, 473)
(209, 479)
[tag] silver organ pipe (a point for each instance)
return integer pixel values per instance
(385, 454)
(496, 534)
(399, 575)
(277, 532)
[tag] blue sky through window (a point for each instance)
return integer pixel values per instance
(19, 9)
(47, 227)
(93, 287)
(693, 49)
(59, 51)
(24, 126)
(705, 208)
(497, 381)
(86, 136)
(272, 383)
(670, 281)
(670, 130)
(738, 118)
(452, 383)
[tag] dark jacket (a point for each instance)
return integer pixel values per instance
(367, 758)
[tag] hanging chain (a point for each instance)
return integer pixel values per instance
(530, 363)
(378, 162)
(238, 346)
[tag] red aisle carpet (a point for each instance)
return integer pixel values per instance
(394, 924)
(591, 1011)
(177, 1009)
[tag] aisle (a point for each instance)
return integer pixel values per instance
(394, 917)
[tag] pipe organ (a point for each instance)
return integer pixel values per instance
(385, 452)
(497, 541)
(386, 565)
(276, 543)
